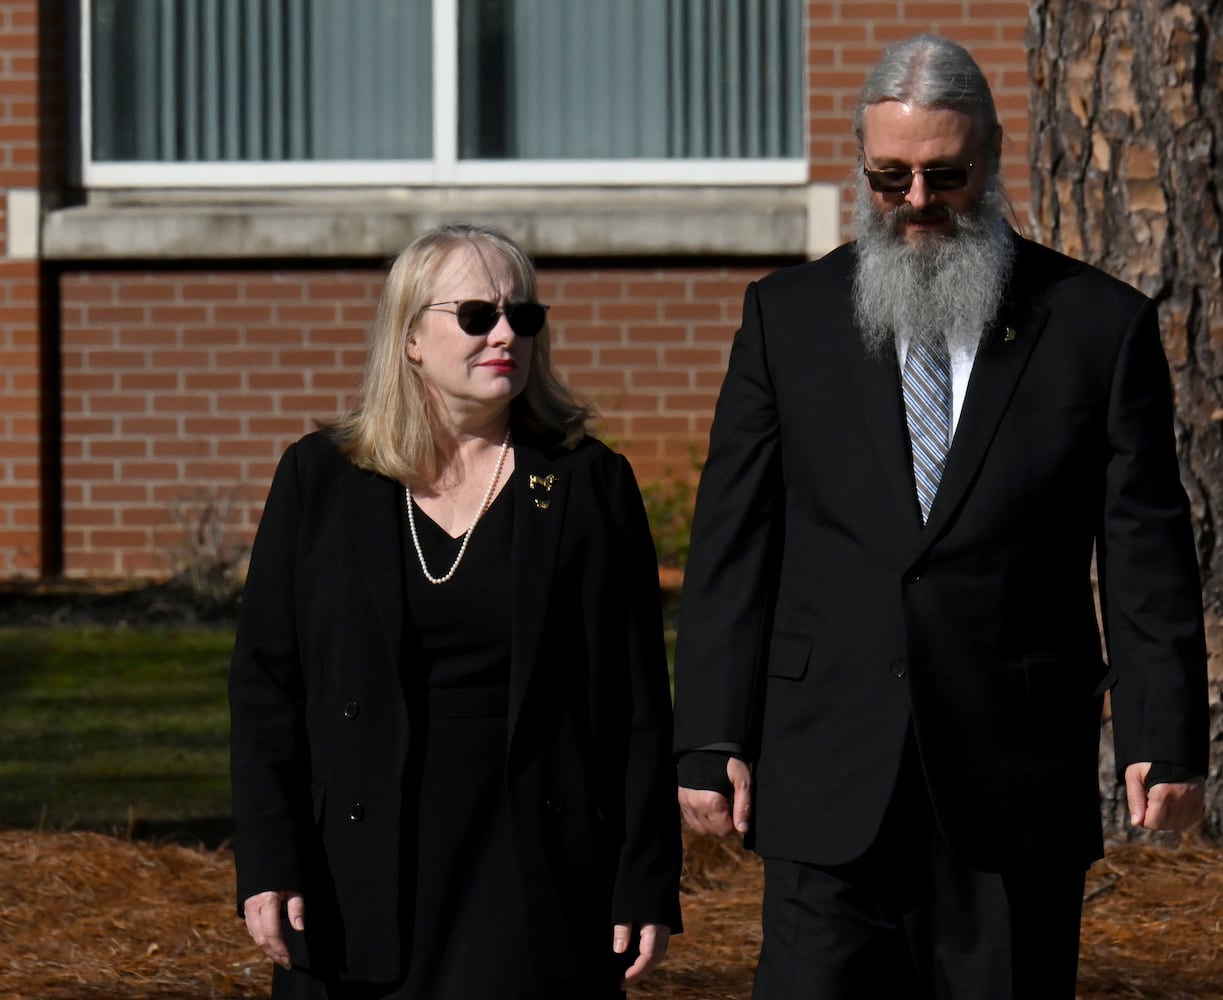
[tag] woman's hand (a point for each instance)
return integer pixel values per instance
(652, 948)
(263, 921)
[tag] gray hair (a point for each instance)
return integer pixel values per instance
(933, 72)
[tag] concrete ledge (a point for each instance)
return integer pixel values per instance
(742, 221)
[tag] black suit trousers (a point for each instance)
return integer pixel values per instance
(908, 919)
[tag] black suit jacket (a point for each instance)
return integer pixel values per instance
(320, 721)
(820, 619)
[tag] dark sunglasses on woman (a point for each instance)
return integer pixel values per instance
(478, 317)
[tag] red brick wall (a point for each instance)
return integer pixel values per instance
(182, 388)
(649, 345)
(180, 391)
(20, 295)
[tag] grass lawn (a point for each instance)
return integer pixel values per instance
(115, 729)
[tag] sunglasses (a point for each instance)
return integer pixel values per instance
(898, 180)
(478, 317)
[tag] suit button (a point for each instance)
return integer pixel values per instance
(553, 807)
(352, 710)
(356, 812)
(899, 669)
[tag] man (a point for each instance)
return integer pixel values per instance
(889, 673)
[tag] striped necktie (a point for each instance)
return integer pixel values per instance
(927, 394)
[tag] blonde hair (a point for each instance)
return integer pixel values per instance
(393, 428)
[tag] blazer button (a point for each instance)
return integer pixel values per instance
(899, 669)
(352, 710)
(356, 812)
(553, 807)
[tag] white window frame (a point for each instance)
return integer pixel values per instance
(444, 170)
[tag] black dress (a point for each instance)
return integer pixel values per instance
(467, 926)
(465, 920)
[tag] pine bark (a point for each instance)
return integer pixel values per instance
(1126, 120)
(1126, 115)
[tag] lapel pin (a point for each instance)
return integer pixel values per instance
(547, 482)
(1009, 335)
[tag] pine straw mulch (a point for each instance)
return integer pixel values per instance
(83, 915)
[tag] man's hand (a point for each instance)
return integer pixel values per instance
(263, 921)
(1172, 805)
(710, 813)
(652, 949)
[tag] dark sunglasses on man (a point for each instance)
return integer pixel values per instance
(477, 317)
(898, 180)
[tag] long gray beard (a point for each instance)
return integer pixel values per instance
(949, 285)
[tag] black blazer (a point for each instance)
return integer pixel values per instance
(820, 619)
(320, 721)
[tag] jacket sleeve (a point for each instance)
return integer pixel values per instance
(646, 886)
(268, 755)
(731, 575)
(1149, 584)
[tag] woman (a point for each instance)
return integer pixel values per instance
(449, 696)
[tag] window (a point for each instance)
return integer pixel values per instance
(391, 92)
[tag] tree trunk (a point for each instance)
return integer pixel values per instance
(1126, 118)
(1127, 143)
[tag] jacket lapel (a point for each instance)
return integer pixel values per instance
(374, 509)
(541, 496)
(1000, 362)
(877, 380)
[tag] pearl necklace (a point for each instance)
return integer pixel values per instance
(488, 496)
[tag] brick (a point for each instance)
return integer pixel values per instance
(692, 310)
(212, 472)
(144, 517)
(147, 381)
(692, 356)
(239, 447)
(594, 334)
(309, 404)
(661, 378)
(149, 426)
(111, 448)
(115, 538)
(168, 449)
(117, 404)
(211, 381)
(143, 564)
(242, 315)
(295, 426)
(290, 289)
(145, 291)
(95, 516)
(275, 336)
(245, 359)
(208, 336)
(305, 314)
(179, 404)
(150, 470)
(624, 356)
(658, 333)
(213, 427)
(114, 316)
(340, 381)
(79, 562)
(148, 335)
(194, 291)
(178, 358)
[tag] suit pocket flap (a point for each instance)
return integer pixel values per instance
(789, 655)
